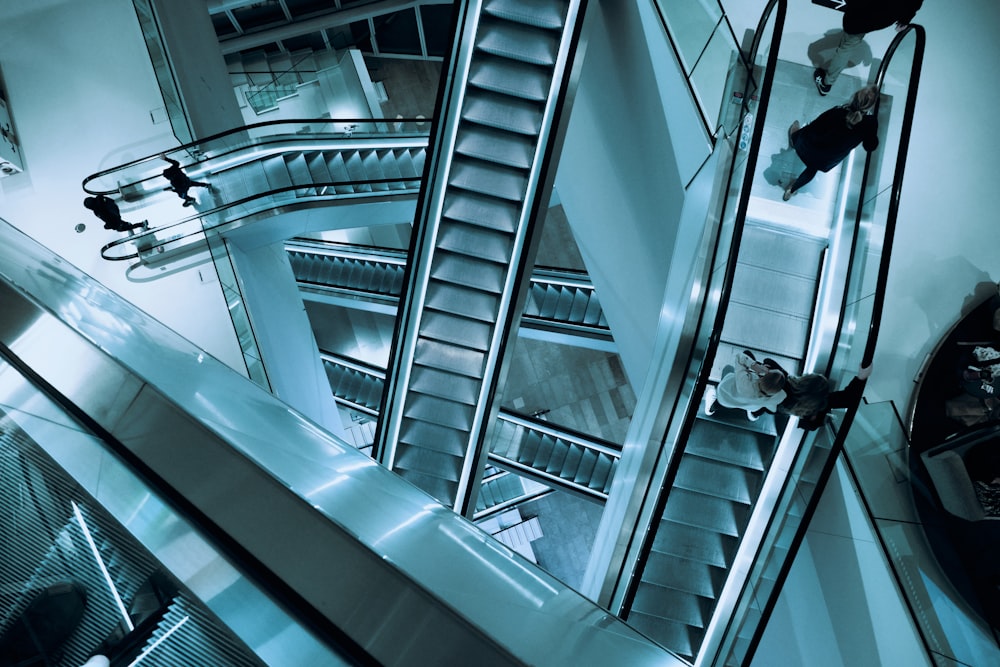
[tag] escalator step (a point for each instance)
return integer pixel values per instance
(317, 167)
(672, 604)
(506, 148)
(489, 179)
(720, 479)
(429, 462)
(688, 576)
(602, 473)
(441, 489)
(762, 287)
(480, 210)
(708, 512)
(298, 170)
(374, 170)
(471, 303)
(557, 458)
(470, 271)
(731, 444)
(276, 172)
(356, 171)
(549, 14)
(436, 410)
(510, 77)
(338, 171)
(431, 436)
(674, 636)
(693, 543)
(462, 331)
(478, 242)
(767, 331)
(518, 42)
(449, 358)
(457, 388)
(503, 112)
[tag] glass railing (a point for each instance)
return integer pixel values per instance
(877, 187)
(77, 512)
(163, 72)
(951, 628)
(350, 547)
(706, 49)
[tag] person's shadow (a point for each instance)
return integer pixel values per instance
(784, 168)
(821, 51)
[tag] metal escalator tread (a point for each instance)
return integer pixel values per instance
(468, 333)
(791, 254)
(470, 271)
(434, 410)
(429, 462)
(374, 170)
(338, 171)
(405, 166)
(716, 478)
(317, 167)
(571, 464)
(779, 292)
(457, 388)
(276, 172)
(578, 306)
(471, 303)
(518, 42)
(475, 242)
(707, 512)
(675, 636)
(525, 450)
(602, 472)
(731, 444)
(686, 576)
(482, 210)
(390, 166)
(502, 112)
(432, 436)
(586, 468)
(565, 303)
(489, 179)
(355, 164)
(506, 148)
(298, 170)
(671, 604)
(460, 360)
(557, 457)
(518, 79)
(611, 476)
(684, 541)
(550, 14)
(443, 490)
(766, 331)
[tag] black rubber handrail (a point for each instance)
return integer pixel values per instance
(837, 448)
(151, 232)
(780, 7)
(156, 157)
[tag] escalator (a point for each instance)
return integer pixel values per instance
(307, 550)
(472, 237)
(533, 449)
(560, 301)
(800, 298)
(259, 171)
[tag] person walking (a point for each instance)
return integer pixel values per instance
(825, 142)
(860, 18)
(180, 182)
(107, 212)
(752, 386)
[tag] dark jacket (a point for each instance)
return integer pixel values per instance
(825, 142)
(863, 16)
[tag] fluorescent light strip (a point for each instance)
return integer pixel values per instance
(100, 564)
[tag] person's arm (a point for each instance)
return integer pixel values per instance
(173, 162)
(870, 141)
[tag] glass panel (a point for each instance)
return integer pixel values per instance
(162, 71)
(397, 33)
(929, 573)
(709, 77)
(76, 519)
(692, 25)
(436, 21)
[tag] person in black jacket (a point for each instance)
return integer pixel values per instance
(107, 212)
(825, 142)
(181, 182)
(860, 18)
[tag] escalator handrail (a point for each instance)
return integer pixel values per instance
(837, 449)
(690, 416)
(238, 202)
(156, 157)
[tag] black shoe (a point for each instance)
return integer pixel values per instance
(819, 78)
(187, 202)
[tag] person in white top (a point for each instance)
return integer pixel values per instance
(752, 386)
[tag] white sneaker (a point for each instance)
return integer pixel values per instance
(709, 400)
(751, 416)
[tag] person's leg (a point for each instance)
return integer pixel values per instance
(807, 175)
(200, 184)
(841, 56)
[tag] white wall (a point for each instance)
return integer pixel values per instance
(618, 181)
(81, 92)
(839, 605)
